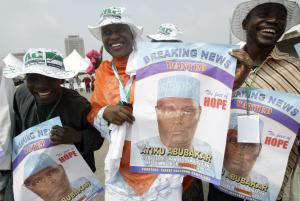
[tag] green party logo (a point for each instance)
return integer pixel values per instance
(33, 56)
(53, 56)
(112, 12)
(49, 58)
(165, 30)
(39, 55)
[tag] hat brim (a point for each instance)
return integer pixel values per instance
(162, 37)
(10, 71)
(96, 30)
(243, 9)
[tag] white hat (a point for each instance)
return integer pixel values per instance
(166, 31)
(41, 61)
(179, 86)
(113, 15)
(243, 9)
(37, 163)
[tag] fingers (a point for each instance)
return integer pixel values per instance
(125, 115)
(57, 134)
(118, 115)
(242, 56)
(57, 130)
(55, 139)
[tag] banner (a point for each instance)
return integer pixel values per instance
(182, 105)
(255, 171)
(43, 171)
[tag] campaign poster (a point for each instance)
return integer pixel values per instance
(181, 106)
(43, 171)
(255, 170)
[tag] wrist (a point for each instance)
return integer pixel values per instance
(78, 137)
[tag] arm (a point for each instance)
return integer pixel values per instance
(85, 137)
(244, 65)
(102, 114)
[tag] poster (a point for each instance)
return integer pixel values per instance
(255, 171)
(182, 105)
(43, 171)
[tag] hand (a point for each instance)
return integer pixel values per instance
(118, 114)
(64, 135)
(243, 68)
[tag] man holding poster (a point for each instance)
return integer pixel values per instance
(261, 23)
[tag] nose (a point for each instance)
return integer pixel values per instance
(179, 116)
(40, 84)
(272, 20)
(114, 36)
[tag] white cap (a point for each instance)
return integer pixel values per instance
(166, 31)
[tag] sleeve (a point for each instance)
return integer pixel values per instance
(96, 102)
(95, 116)
(18, 120)
(101, 124)
(91, 138)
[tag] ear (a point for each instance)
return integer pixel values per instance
(245, 24)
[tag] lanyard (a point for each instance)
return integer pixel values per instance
(124, 91)
(51, 111)
(249, 86)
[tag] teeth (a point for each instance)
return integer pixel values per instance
(44, 94)
(269, 30)
(116, 45)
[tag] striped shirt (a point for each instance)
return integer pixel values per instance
(279, 72)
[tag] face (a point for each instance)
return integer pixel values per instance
(46, 90)
(265, 24)
(177, 121)
(240, 157)
(117, 39)
(50, 183)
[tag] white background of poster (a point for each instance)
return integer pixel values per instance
(208, 130)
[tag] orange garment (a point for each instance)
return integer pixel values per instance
(106, 92)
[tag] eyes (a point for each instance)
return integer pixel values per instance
(169, 111)
(107, 31)
(36, 77)
(246, 146)
(277, 16)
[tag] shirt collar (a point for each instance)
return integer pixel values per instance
(277, 55)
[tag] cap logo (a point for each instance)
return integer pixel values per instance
(111, 12)
(44, 58)
(165, 30)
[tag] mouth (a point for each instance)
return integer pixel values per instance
(44, 95)
(268, 32)
(176, 133)
(116, 46)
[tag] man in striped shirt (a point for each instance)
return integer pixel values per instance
(261, 23)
